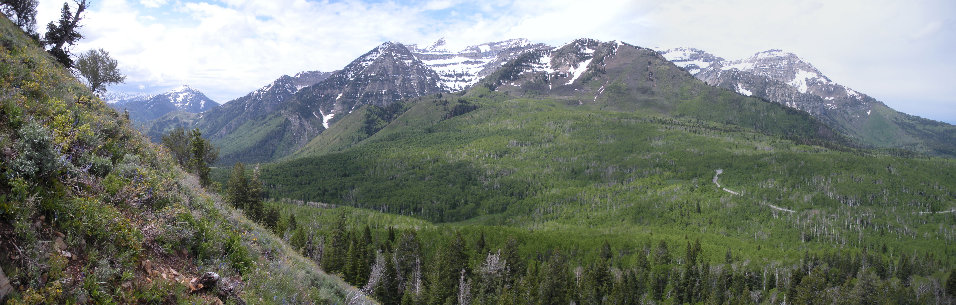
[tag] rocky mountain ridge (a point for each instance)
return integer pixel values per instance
(784, 78)
(143, 107)
(461, 69)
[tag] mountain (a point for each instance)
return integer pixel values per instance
(111, 97)
(240, 114)
(462, 69)
(600, 172)
(146, 108)
(784, 78)
(386, 74)
(92, 213)
(281, 118)
(278, 119)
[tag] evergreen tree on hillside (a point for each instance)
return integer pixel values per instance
(202, 153)
(245, 192)
(65, 32)
(237, 186)
(449, 262)
(177, 143)
(333, 260)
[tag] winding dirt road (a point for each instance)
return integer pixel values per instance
(721, 171)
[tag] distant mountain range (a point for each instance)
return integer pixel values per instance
(784, 78)
(282, 117)
(142, 107)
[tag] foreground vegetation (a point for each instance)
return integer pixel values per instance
(91, 212)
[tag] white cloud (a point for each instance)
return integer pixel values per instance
(153, 3)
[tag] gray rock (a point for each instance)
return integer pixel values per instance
(5, 287)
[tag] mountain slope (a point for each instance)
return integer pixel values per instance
(587, 181)
(259, 128)
(91, 212)
(242, 117)
(619, 76)
(784, 78)
(147, 108)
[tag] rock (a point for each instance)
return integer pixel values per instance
(58, 244)
(207, 280)
(5, 287)
(229, 289)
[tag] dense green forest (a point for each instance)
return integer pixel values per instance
(627, 199)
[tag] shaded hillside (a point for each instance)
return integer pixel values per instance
(91, 212)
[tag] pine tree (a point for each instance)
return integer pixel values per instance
(449, 262)
(480, 245)
(254, 194)
(202, 153)
(177, 141)
(407, 259)
(333, 260)
(513, 260)
(65, 32)
(662, 269)
(387, 290)
(237, 186)
(365, 257)
(555, 281)
(352, 262)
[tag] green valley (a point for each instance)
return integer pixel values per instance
(559, 177)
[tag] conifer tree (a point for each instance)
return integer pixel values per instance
(202, 153)
(237, 186)
(65, 32)
(407, 259)
(447, 267)
(177, 141)
(387, 290)
(555, 281)
(333, 260)
(352, 262)
(513, 260)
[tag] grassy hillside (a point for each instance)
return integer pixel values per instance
(562, 176)
(90, 211)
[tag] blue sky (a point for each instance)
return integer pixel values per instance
(899, 52)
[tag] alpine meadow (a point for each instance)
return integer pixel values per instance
(502, 172)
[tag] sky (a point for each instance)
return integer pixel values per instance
(899, 52)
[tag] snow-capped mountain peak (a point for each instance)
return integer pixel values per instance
(462, 69)
(774, 74)
(691, 59)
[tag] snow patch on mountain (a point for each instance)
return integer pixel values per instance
(800, 80)
(461, 69)
(579, 69)
(740, 89)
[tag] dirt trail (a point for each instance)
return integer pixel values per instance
(721, 171)
(940, 212)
